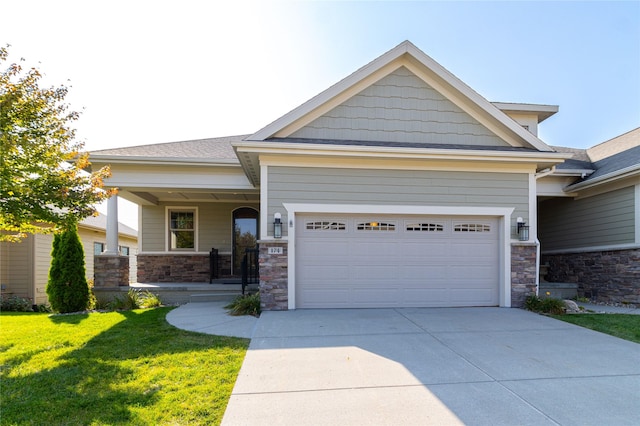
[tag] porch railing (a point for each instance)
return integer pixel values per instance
(214, 265)
(250, 268)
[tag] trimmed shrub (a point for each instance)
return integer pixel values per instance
(67, 288)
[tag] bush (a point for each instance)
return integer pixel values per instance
(245, 305)
(547, 306)
(15, 304)
(135, 299)
(67, 288)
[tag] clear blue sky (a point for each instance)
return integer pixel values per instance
(156, 71)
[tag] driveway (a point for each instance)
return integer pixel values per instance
(475, 366)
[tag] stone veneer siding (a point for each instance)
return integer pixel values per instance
(110, 270)
(274, 289)
(523, 273)
(179, 268)
(607, 276)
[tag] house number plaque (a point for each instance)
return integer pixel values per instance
(274, 250)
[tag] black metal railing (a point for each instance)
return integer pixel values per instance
(214, 265)
(250, 268)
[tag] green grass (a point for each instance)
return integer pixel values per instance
(625, 326)
(113, 368)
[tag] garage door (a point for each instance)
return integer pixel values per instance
(345, 261)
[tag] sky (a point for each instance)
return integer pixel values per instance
(144, 72)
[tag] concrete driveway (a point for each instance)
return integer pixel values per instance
(475, 366)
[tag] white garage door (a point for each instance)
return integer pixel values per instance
(345, 261)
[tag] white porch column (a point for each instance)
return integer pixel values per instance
(112, 226)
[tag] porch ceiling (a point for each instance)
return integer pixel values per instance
(179, 195)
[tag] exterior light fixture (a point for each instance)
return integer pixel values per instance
(277, 225)
(523, 229)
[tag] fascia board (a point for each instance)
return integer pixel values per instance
(396, 152)
(609, 177)
(543, 111)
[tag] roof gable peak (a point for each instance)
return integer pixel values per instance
(407, 55)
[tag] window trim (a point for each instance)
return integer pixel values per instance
(167, 227)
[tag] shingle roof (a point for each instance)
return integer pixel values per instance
(211, 148)
(100, 222)
(614, 163)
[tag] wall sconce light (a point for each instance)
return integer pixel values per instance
(277, 225)
(523, 229)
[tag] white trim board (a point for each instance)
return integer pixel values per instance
(503, 213)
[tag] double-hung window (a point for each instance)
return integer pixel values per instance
(182, 229)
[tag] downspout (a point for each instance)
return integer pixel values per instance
(539, 175)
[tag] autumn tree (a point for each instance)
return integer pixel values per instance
(43, 185)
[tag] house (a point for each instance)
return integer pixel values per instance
(397, 186)
(24, 266)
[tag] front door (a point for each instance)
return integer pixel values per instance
(245, 235)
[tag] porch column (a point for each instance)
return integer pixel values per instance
(112, 226)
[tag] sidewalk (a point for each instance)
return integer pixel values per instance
(212, 318)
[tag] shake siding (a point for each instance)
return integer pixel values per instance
(395, 187)
(601, 220)
(214, 225)
(400, 108)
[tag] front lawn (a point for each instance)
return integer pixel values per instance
(113, 368)
(625, 326)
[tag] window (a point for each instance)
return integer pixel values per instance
(182, 230)
(472, 227)
(98, 248)
(124, 250)
(427, 227)
(326, 226)
(376, 226)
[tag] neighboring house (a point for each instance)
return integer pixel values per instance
(24, 266)
(397, 186)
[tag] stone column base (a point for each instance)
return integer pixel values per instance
(110, 270)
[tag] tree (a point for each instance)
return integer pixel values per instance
(43, 185)
(67, 287)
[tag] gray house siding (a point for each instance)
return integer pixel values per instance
(214, 225)
(400, 108)
(395, 187)
(602, 220)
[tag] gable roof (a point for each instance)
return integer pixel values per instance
(405, 55)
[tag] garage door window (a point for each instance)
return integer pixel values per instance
(425, 227)
(376, 226)
(326, 226)
(472, 227)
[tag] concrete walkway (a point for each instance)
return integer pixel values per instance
(475, 366)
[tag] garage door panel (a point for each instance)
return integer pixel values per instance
(390, 261)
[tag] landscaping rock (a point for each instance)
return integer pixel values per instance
(571, 306)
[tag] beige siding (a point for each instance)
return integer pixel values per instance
(214, 225)
(400, 108)
(396, 187)
(601, 220)
(16, 272)
(42, 264)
